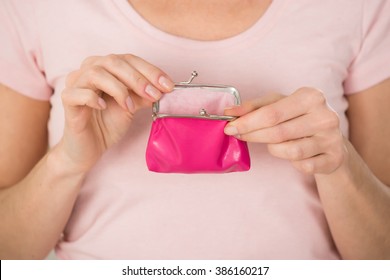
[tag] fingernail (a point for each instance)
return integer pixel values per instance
(166, 83)
(130, 104)
(153, 92)
(231, 130)
(102, 103)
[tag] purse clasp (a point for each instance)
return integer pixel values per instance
(202, 112)
(193, 75)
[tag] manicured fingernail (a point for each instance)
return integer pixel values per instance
(130, 104)
(231, 130)
(153, 92)
(166, 83)
(102, 103)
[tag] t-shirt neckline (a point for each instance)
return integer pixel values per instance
(258, 28)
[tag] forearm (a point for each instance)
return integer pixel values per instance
(357, 207)
(33, 213)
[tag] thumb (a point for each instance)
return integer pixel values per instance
(254, 104)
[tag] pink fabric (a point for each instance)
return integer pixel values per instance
(125, 211)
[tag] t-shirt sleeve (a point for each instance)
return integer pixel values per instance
(372, 63)
(20, 64)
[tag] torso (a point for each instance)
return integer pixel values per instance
(202, 20)
(258, 214)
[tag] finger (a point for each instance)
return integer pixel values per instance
(76, 104)
(130, 77)
(140, 76)
(299, 149)
(159, 78)
(139, 102)
(82, 97)
(89, 61)
(293, 106)
(300, 127)
(251, 105)
(99, 79)
(320, 164)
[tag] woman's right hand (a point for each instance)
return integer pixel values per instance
(100, 100)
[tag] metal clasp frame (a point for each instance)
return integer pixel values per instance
(202, 112)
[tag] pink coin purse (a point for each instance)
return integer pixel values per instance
(187, 131)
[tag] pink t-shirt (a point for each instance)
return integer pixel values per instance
(126, 212)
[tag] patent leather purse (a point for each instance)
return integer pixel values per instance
(187, 133)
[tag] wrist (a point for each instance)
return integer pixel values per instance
(351, 172)
(61, 164)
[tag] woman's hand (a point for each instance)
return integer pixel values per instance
(100, 100)
(301, 128)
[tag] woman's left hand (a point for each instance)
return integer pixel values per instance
(301, 128)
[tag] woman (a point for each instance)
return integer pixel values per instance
(314, 78)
